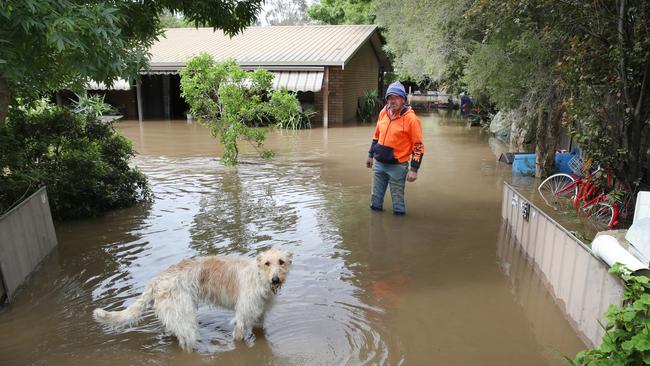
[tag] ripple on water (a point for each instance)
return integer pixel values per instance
(202, 208)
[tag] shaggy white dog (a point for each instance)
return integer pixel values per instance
(244, 285)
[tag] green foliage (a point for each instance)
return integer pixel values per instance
(422, 35)
(286, 110)
(508, 68)
(606, 68)
(233, 102)
(54, 44)
(343, 12)
(286, 12)
(369, 106)
(584, 63)
(93, 105)
(48, 45)
(82, 161)
(627, 333)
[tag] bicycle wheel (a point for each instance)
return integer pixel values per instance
(602, 215)
(556, 186)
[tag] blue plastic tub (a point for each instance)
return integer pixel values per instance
(562, 162)
(524, 164)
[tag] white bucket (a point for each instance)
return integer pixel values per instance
(608, 248)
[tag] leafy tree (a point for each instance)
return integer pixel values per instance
(515, 65)
(48, 45)
(175, 20)
(606, 70)
(286, 12)
(421, 35)
(232, 102)
(343, 12)
(592, 74)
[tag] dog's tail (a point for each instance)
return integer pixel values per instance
(127, 317)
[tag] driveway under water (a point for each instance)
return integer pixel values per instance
(366, 287)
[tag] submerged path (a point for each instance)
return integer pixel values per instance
(366, 287)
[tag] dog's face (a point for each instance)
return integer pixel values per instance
(274, 265)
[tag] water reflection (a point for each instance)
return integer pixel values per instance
(526, 286)
(251, 205)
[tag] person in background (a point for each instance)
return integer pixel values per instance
(396, 151)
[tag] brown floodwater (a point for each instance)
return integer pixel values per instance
(440, 286)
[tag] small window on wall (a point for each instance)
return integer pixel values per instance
(306, 100)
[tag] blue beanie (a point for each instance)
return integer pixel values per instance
(396, 88)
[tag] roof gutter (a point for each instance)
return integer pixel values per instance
(174, 68)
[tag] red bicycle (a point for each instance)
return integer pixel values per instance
(594, 196)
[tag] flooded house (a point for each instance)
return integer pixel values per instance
(329, 67)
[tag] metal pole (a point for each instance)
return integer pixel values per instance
(138, 89)
(166, 98)
(326, 91)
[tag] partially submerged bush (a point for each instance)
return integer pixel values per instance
(232, 102)
(369, 105)
(285, 108)
(82, 161)
(93, 105)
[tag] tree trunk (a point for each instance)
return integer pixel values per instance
(553, 136)
(548, 130)
(5, 98)
(632, 172)
(541, 149)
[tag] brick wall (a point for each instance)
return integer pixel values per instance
(359, 75)
(336, 96)
(318, 108)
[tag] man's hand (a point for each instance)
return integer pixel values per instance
(411, 176)
(369, 163)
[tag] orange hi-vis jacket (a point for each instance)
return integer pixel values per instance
(399, 139)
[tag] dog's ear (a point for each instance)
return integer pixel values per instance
(258, 259)
(289, 256)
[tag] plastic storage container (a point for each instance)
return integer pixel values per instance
(524, 164)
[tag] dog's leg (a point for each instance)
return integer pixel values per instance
(243, 324)
(246, 316)
(177, 312)
(260, 322)
(241, 329)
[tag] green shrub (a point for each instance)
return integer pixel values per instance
(82, 161)
(285, 109)
(369, 106)
(93, 105)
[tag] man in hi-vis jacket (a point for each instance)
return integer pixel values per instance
(397, 140)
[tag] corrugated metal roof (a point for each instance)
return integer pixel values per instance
(314, 45)
(298, 81)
